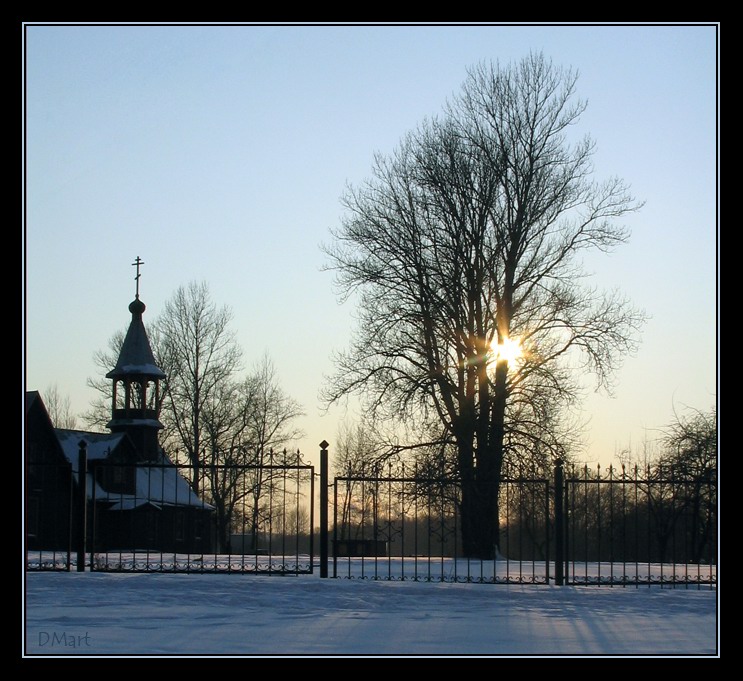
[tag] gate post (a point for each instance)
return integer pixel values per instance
(559, 524)
(323, 509)
(82, 513)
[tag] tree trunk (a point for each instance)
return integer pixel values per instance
(223, 530)
(481, 476)
(479, 503)
(479, 512)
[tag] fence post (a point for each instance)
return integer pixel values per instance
(323, 509)
(559, 524)
(82, 530)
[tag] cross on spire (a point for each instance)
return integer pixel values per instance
(137, 263)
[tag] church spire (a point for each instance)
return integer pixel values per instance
(136, 356)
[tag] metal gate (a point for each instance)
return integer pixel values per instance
(409, 526)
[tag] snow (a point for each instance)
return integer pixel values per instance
(144, 614)
(164, 484)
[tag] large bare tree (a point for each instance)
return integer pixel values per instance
(466, 239)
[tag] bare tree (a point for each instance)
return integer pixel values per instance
(223, 427)
(59, 408)
(199, 354)
(270, 416)
(465, 240)
(247, 426)
(690, 458)
(225, 454)
(691, 442)
(355, 456)
(99, 414)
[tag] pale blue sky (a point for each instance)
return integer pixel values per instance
(219, 153)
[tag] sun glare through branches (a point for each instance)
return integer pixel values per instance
(509, 349)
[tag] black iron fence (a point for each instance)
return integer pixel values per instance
(408, 525)
(640, 526)
(162, 517)
(580, 526)
(575, 526)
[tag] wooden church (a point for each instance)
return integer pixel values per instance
(136, 498)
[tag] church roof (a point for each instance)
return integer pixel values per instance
(158, 484)
(136, 354)
(33, 397)
(99, 445)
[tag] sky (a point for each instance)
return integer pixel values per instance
(220, 153)
(98, 614)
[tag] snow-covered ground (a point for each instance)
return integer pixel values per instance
(115, 614)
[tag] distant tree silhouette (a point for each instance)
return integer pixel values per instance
(99, 413)
(59, 408)
(355, 455)
(685, 507)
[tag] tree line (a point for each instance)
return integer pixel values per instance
(657, 505)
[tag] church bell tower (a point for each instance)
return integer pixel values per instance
(136, 385)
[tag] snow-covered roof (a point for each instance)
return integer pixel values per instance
(130, 503)
(146, 369)
(99, 445)
(158, 483)
(162, 484)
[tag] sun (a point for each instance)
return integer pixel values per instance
(509, 350)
